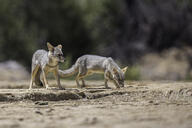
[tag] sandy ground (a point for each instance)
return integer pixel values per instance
(141, 104)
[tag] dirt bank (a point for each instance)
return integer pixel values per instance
(139, 104)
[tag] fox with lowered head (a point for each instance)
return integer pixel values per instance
(89, 64)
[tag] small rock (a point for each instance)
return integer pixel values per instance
(21, 119)
(150, 101)
(156, 103)
(38, 112)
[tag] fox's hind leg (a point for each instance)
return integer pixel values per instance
(35, 68)
(77, 81)
(80, 77)
(83, 76)
(37, 79)
(82, 73)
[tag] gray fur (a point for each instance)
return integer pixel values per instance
(44, 62)
(89, 64)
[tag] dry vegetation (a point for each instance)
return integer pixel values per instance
(139, 104)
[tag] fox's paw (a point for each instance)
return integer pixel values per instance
(47, 87)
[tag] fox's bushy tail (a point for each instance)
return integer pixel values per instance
(68, 72)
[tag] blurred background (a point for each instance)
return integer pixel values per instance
(152, 37)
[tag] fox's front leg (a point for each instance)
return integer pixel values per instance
(106, 77)
(45, 79)
(116, 84)
(57, 77)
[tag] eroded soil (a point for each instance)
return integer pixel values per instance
(139, 104)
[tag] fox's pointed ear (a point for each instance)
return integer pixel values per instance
(50, 47)
(124, 69)
(60, 46)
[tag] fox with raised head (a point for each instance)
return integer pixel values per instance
(44, 62)
(89, 64)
